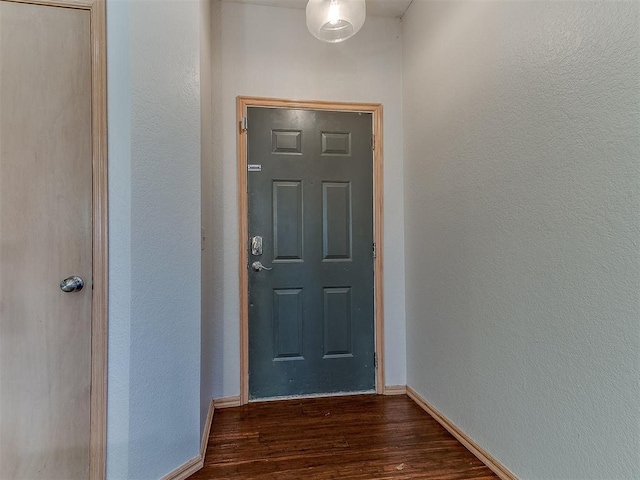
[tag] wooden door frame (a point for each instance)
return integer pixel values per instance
(99, 313)
(375, 109)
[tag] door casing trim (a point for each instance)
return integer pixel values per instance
(375, 109)
(99, 312)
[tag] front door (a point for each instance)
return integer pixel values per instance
(311, 299)
(45, 238)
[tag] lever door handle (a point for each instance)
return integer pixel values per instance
(258, 267)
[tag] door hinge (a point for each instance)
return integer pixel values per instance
(373, 142)
(374, 250)
(243, 124)
(375, 360)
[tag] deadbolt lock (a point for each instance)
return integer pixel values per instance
(256, 245)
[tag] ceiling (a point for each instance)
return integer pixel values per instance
(378, 8)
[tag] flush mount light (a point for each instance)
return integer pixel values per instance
(334, 21)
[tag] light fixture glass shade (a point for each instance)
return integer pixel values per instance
(335, 20)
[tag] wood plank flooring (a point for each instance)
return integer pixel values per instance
(363, 437)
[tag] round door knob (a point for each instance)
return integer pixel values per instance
(72, 284)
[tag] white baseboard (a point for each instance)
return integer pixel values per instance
(186, 469)
(196, 463)
(500, 470)
(227, 402)
(395, 390)
(207, 430)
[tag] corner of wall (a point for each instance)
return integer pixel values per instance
(119, 153)
(206, 112)
(154, 191)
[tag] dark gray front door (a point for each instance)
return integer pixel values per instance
(311, 322)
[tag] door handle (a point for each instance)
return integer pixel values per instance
(72, 284)
(258, 267)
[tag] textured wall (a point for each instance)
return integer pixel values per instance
(154, 175)
(522, 198)
(267, 51)
(119, 158)
(207, 8)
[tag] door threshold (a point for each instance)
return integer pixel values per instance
(312, 395)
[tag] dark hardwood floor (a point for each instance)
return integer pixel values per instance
(362, 437)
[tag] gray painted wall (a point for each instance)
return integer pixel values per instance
(522, 198)
(154, 187)
(119, 158)
(209, 147)
(212, 207)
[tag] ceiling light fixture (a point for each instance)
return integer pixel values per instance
(334, 21)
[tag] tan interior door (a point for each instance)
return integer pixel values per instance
(45, 237)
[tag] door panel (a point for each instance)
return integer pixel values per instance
(287, 221)
(311, 322)
(287, 327)
(336, 221)
(337, 322)
(45, 236)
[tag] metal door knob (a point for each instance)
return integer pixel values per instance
(258, 267)
(72, 284)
